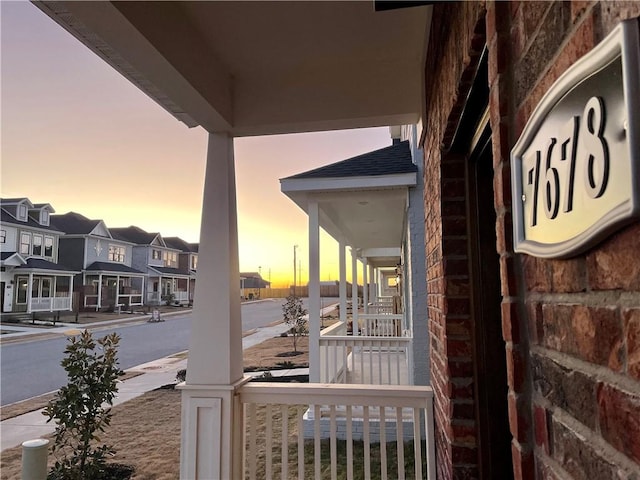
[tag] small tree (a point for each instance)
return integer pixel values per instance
(294, 313)
(82, 408)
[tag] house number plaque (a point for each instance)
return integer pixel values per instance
(576, 167)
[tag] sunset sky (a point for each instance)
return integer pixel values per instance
(79, 136)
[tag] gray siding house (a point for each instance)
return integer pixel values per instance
(107, 279)
(31, 278)
(166, 282)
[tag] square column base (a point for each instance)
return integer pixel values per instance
(211, 439)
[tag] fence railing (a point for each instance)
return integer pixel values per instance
(351, 432)
(48, 304)
(364, 359)
(380, 325)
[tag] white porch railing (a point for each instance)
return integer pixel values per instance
(358, 432)
(181, 296)
(380, 325)
(49, 304)
(380, 307)
(365, 360)
(153, 297)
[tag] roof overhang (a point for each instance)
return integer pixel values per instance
(363, 212)
(13, 260)
(256, 68)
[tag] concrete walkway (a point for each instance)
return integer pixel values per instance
(154, 375)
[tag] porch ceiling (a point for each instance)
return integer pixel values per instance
(254, 68)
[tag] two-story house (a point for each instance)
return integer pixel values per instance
(107, 279)
(151, 255)
(31, 278)
(187, 260)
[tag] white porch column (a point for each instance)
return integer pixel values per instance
(342, 258)
(209, 435)
(354, 290)
(314, 292)
(365, 284)
(372, 284)
(71, 294)
(99, 304)
(29, 292)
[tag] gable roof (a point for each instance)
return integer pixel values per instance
(133, 234)
(180, 244)
(392, 160)
(74, 223)
(41, 264)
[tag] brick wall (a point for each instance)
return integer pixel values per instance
(573, 326)
(453, 42)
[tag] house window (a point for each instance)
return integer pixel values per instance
(25, 243)
(44, 217)
(48, 247)
(21, 293)
(3, 236)
(194, 262)
(156, 254)
(37, 245)
(35, 287)
(22, 212)
(116, 253)
(170, 259)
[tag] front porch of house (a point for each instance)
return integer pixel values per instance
(111, 286)
(45, 288)
(171, 288)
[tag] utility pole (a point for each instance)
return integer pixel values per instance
(294, 269)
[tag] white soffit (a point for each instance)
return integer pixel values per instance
(255, 68)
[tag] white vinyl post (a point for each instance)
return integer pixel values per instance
(354, 290)
(34, 459)
(365, 284)
(342, 258)
(314, 292)
(209, 436)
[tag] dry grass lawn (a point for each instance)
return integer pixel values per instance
(145, 431)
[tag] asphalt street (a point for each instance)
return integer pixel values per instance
(32, 367)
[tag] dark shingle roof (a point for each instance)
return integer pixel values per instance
(111, 267)
(5, 255)
(180, 244)
(42, 264)
(390, 160)
(169, 271)
(133, 234)
(7, 217)
(74, 223)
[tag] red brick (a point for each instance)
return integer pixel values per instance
(456, 287)
(593, 334)
(612, 12)
(619, 419)
(464, 432)
(510, 322)
(632, 335)
(504, 233)
(458, 348)
(508, 282)
(519, 422)
(457, 306)
(454, 226)
(516, 368)
(523, 465)
(578, 7)
(568, 276)
(536, 276)
(616, 264)
(502, 186)
(536, 327)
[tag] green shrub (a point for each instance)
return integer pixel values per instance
(82, 408)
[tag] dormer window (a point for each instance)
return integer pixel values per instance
(44, 217)
(22, 212)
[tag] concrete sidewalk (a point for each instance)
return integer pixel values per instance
(154, 375)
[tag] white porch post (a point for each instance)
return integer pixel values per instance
(354, 291)
(209, 403)
(314, 293)
(99, 304)
(365, 284)
(71, 294)
(29, 292)
(372, 284)
(342, 258)
(117, 290)
(52, 292)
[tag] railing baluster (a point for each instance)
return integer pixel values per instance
(367, 440)
(316, 441)
(349, 427)
(383, 444)
(252, 441)
(284, 453)
(333, 442)
(300, 414)
(400, 443)
(345, 361)
(269, 441)
(417, 444)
